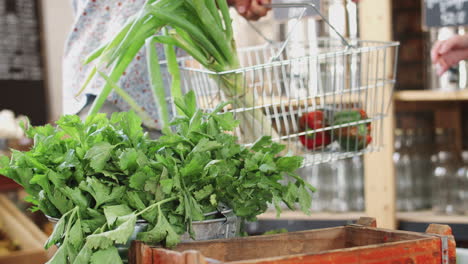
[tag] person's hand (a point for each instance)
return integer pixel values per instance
(449, 52)
(251, 9)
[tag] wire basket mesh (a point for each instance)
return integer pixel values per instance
(324, 100)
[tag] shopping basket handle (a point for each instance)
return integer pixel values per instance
(298, 5)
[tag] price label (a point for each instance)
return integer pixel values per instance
(445, 13)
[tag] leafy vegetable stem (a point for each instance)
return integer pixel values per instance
(133, 104)
(157, 83)
(156, 204)
(173, 69)
(117, 71)
(70, 221)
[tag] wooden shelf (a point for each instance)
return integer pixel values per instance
(427, 95)
(295, 215)
(417, 217)
(430, 217)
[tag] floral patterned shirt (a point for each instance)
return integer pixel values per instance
(96, 21)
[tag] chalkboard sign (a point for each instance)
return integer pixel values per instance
(20, 57)
(290, 13)
(444, 13)
(21, 72)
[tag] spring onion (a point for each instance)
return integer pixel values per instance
(204, 32)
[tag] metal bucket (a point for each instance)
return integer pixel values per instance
(226, 225)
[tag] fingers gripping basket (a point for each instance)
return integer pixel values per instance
(324, 98)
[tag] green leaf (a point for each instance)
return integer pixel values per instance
(135, 202)
(71, 161)
(262, 142)
(58, 232)
(206, 145)
(4, 162)
(305, 200)
(203, 193)
(84, 255)
(60, 257)
(76, 196)
(188, 104)
(128, 160)
(72, 252)
(111, 175)
(195, 121)
(268, 167)
(99, 154)
(90, 225)
(152, 186)
(166, 185)
(138, 180)
(213, 200)
(277, 204)
(120, 235)
(115, 211)
(131, 125)
(195, 166)
(290, 196)
(289, 164)
(226, 121)
(58, 179)
(43, 181)
(76, 235)
(101, 192)
(161, 231)
(60, 201)
(106, 256)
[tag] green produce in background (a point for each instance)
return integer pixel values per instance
(352, 137)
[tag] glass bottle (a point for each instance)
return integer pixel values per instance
(415, 195)
(425, 148)
(325, 188)
(356, 186)
(462, 184)
(444, 183)
(400, 169)
(340, 184)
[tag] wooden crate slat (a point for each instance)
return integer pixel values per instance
(350, 244)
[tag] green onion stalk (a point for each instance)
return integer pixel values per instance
(203, 28)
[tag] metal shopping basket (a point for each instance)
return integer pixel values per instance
(291, 79)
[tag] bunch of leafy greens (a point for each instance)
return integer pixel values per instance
(101, 175)
(203, 29)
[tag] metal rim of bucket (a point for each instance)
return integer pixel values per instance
(142, 221)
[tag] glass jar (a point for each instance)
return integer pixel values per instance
(402, 163)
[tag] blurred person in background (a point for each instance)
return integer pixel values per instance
(448, 53)
(96, 22)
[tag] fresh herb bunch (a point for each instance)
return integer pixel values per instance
(203, 29)
(101, 175)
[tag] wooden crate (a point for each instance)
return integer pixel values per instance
(362, 243)
(20, 229)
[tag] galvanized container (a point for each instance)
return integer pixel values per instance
(225, 225)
